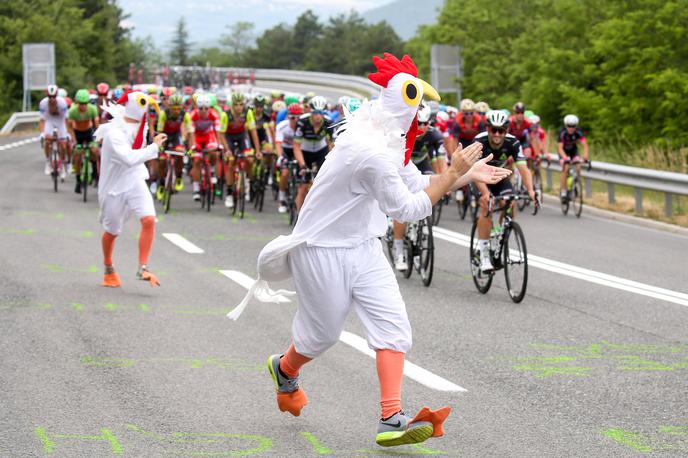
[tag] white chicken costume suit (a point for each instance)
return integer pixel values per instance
(334, 253)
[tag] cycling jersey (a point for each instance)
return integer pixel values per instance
(465, 130)
(520, 131)
(54, 120)
(570, 141)
(170, 124)
(262, 123)
(83, 121)
(207, 125)
(427, 148)
(237, 124)
(510, 147)
(308, 139)
(285, 134)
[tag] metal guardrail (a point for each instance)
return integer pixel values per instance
(361, 85)
(19, 118)
(669, 183)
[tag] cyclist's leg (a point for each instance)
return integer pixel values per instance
(562, 178)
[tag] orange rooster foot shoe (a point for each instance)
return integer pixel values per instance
(290, 397)
(436, 417)
(145, 275)
(111, 278)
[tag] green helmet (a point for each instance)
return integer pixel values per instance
(529, 114)
(238, 97)
(82, 96)
(213, 100)
(176, 99)
(291, 99)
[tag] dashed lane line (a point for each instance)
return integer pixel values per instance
(19, 143)
(580, 273)
(412, 371)
(182, 243)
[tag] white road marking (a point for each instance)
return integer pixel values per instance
(581, 273)
(417, 373)
(182, 243)
(19, 143)
(420, 375)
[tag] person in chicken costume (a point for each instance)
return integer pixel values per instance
(122, 188)
(335, 256)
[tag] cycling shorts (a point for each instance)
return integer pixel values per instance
(425, 166)
(84, 137)
(573, 154)
(501, 188)
(288, 153)
(238, 142)
(205, 141)
(51, 124)
(313, 158)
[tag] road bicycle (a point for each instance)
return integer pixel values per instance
(240, 176)
(86, 172)
(467, 202)
(292, 190)
(262, 174)
(507, 249)
(55, 161)
(420, 248)
(574, 189)
(169, 185)
(207, 185)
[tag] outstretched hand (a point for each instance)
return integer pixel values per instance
(481, 172)
(463, 158)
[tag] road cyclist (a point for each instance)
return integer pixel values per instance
(53, 119)
(83, 121)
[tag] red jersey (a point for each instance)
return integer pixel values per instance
(465, 130)
(205, 125)
(519, 131)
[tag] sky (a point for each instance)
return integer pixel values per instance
(207, 20)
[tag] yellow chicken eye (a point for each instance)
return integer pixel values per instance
(410, 93)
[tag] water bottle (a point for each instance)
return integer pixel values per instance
(495, 235)
(569, 182)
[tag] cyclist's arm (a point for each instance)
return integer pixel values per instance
(298, 154)
(162, 119)
(585, 148)
(560, 150)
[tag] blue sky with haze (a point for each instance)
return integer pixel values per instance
(206, 20)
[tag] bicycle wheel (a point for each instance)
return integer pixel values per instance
(463, 205)
(56, 168)
(241, 194)
(521, 189)
(427, 251)
(410, 251)
(209, 189)
(85, 175)
(577, 197)
(169, 188)
(566, 202)
(515, 258)
(437, 212)
(482, 280)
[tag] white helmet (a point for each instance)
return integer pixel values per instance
(497, 118)
(467, 105)
(343, 101)
(571, 120)
(318, 103)
(62, 92)
(535, 119)
(424, 113)
(52, 90)
(203, 101)
(443, 116)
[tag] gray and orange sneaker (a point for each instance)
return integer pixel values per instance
(399, 430)
(290, 397)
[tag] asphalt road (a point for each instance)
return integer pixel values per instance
(587, 365)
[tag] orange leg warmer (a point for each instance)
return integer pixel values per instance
(390, 371)
(146, 238)
(291, 362)
(108, 241)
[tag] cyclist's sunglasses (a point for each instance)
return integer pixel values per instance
(203, 108)
(420, 124)
(518, 111)
(318, 112)
(498, 130)
(468, 113)
(570, 127)
(293, 117)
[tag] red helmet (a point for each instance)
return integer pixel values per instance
(103, 88)
(168, 91)
(52, 91)
(295, 109)
(188, 90)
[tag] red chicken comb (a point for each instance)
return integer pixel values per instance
(389, 66)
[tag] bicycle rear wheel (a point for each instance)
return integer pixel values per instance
(209, 191)
(515, 258)
(169, 188)
(482, 280)
(85, 174)
(56, 167)
(241, 194)
(577, 197)
(427, 251)
(565, 203)
(437, 212)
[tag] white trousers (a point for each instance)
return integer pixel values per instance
(116, 209)
(330, 281)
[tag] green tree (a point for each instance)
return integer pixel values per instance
(181, 46)
(239, 39)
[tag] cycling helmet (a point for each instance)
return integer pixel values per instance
(52, 91)
(310, 94)
(529, 114)
(93, 98)
(279, 106)
(102, 88)
(290, 99)
(222, 97)
(424, 113)
(497, 118)
(152, 89)
(318, 103)
(188, 90)
(353, 104)
(62, 92)
(519, 107)
(571, 120)
(82, 96)
(443, 116)
(534, 119)
(117, 93)
(203, 101)
(213, 100)
(434, 106)
(482, 107)
(294, 108)
(467, 105)
(176, 99)
(259, 99)
(238, 97)
(168, 91)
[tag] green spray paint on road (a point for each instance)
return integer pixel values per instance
(674, 438)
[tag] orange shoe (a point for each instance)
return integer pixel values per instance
(290, 397)
(144, 274)
(111, 280)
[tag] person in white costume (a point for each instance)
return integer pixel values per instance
(335, 256)
(122, 187)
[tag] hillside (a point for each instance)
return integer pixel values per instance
(405, 15)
